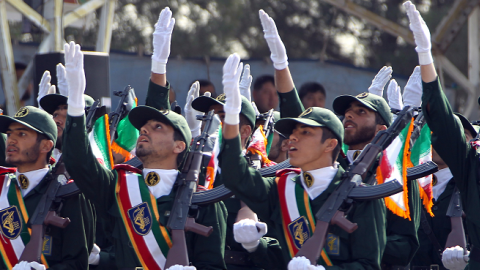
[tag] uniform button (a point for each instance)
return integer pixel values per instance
(284, 99)
(162, 94)
(227, 146)
(74, 125)
(435, 208)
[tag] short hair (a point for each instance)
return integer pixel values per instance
(20, 66)
(311, 87)
(379, 119)
(177, 136)
(204, 83)
(260, 81)
(328, 134)
(40, 138)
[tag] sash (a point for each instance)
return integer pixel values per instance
(298, 222)
(149, 238)
(14, 232)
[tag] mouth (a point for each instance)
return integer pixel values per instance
(292, 149)
(11, 149)
(349, 125)
(142, 139)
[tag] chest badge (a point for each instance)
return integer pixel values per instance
(356, 154)
(24, 183)
(11, 223)
(299, 231)
(141, 218)
(152, 179)
(333, 245)
(308, 178)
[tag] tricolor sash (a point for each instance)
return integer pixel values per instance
(138, 209)
(297, 217)
(13, 219)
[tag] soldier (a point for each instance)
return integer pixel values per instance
(137, 204)
(31, 137)
(316, 138)
(449, 140)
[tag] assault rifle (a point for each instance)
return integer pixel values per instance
(456, 237)
(348, 191)
(268, 127)
(183, 212)
(93, 113)
(127, 99)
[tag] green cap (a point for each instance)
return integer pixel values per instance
(34, 118)
(314, 117)
(51, 102)
(140, 115)
(371, 101)
(466, 124)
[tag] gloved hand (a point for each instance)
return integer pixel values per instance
(421, 34)
(275, 44)
(248, 233)
(233, 102)
(62, 80)
(180, 267)
(94, 258)
(44, 87)
(75, 79)
(246, 82)
(394, 95)
(162, 37)
(190, 112)
(23, 265)
(302, 263)
(380, 80)
(412, 93)
(454, 258)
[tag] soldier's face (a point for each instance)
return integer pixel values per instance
(468, 135)
(305, 148)
(60, 117)
(359, 124)
(266, 98)
(21, 145)
(218, 109)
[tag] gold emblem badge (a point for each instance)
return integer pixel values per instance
(356, 154)
(22, 112)
(24, 183)
(362, 95)
(152, 179)
(165, 112)
(306, 112)
(308, 179)
(300, 231)
(221, 97)
(434, 180)
(11, 223)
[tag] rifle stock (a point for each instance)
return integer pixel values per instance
(456, 237)
(177, 254)
(314, 245)
(33, 250)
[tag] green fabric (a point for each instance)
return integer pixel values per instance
(466, 124)
(158, 96)
(290, 104)
(449, 141)
(371, 101)
(359, 250)
(98, 184)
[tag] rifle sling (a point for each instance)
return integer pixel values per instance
(429, 232)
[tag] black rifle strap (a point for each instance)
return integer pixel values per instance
(429, 232)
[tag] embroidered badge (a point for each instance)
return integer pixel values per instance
(11, 222)
(306, 112)
(152, 179)
(333, 245)
(22, 112)
(141, 218)
(299, 230)
(47, 245)
(221, 97)
(24, 183)
(362, 95)
(356, 154)
(165, 112)
(308, 179)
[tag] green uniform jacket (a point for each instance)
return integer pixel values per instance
(359, 250)
(70, 246)
(449, 141)
(290, 104)
(98, 184)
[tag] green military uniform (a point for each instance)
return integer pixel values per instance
(359, 250)
(70, 246)
(402, 239)
(449, 141)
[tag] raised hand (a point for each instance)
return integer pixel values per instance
(233, 102)
(62, 80)
(190, 112)
(394, 95)
(277, 49)
(44, 87)
(421, 34)
(246, 82)
(76, 81)
(162, 37)
(380, 80)
(412, 93)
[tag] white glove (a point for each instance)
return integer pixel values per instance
(75, 79)
(94, 258)
(394, 95)
(180, 267)
(257, 112)
(412, 93)
(380, 80)
(233, 102)
(454, 258)
(275, 44)
(248, 233)
(45, 88)
(162, 37)
(190, 112)
(23, 265)
(62, 80)
(421, 34)
(302, 263)
(246, 82)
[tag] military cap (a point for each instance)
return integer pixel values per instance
(371, 101)
(466, 124)
(140, 115)
(34, 118)
(51, 102)
(314, 117)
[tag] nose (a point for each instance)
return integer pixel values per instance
(348, 115)
(143, 130)
(292, 137)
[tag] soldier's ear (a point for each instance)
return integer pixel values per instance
(46, 146)
(380, 128)
(179, 146)
(331, 144)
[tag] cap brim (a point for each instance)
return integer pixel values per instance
(341, 104)
(203, 103)
(286, 125)
(51, 102)
(140, 115)
(467, 125)
(6, 121)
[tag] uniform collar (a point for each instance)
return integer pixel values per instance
(322, 178)
(34, 177)
(351, 154)
(164, 186)
(443, 177)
